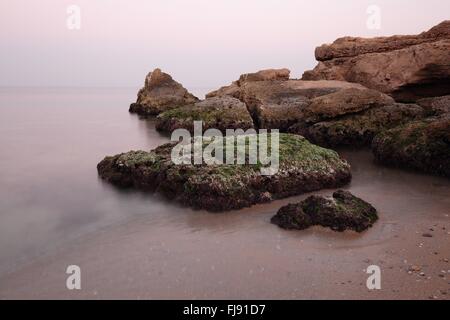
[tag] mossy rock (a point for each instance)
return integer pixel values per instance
(341, 212)
(421, 145)
(218, 113)
(303, 167)
(358, 130)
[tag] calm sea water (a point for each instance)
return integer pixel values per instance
(52, 139)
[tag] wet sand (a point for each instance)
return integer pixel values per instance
(135, 246)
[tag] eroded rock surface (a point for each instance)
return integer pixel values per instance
(160, 93)
(341, 212)
(303, 167)
(406, 67)
(346, 101)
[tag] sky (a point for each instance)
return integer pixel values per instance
(201, 43)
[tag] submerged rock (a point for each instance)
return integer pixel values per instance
(303, 167)
(160, 93)
(422, 145)
(341, 212)
(385, 63)
(218, 112)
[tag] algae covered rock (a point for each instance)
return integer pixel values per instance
(218, 112)
(341, 212)
(302, 167)
(359, 129)
(421, 145)
(160, 93)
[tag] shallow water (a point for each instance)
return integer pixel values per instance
(52, 199)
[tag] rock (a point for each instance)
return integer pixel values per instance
(218, 112)
(280, 104)
(351, 46)
(303, 167)
(346, 101)
(265, 75)
(415, 269)
(427, 235)
(160, 93)
(274, 101)
(232, 90)
(435, 106)
(359, 129)
(385, 64)
(341, 212)
(421, 145)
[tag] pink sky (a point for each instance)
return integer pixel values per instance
(203, 43)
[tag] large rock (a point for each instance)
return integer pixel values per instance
(421, 145)
(344, 102)
(160, 93)
(352, 46)
(275, 102)
(303, 167)
(352, 117)
(406, 67)
(218, 112)
(341, 212)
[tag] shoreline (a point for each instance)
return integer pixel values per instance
(244, 256)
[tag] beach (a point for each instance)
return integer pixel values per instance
(56, 212)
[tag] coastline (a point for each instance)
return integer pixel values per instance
(243, 256)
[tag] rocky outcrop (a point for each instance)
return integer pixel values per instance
(341, 212)
(352, 117)
(160, 93)
(421, 145)
(303, 167)
(275, 102)
(406, 67)
(351, 46)
(218, 112)
(327, 112)
(280, 104)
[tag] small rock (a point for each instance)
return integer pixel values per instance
(427, 235)
(415, 269)
(341, 212)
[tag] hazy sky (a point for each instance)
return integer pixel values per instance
(203, 43)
